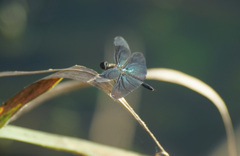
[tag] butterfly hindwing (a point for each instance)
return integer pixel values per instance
(124, 85)
(112, 73)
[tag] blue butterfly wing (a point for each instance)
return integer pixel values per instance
(122, 51)
(124, 85)
(136, 66)
(133, 68)
(112, 73)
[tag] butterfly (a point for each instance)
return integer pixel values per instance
(129, 70)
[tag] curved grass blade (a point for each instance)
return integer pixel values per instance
(142, 123)
(177, 77)
(62, 143)
(21, 99)
(59, 89)
(81, 73)
(18, 101)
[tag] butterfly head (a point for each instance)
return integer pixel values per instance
(104, 65)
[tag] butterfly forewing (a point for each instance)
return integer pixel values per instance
(122, 51)
(136, 66)
(124, 85)
(112, 73)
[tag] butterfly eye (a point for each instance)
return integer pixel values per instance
(104, 65)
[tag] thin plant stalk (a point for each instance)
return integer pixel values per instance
(177, 77)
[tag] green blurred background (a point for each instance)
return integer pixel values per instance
(200, 38)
